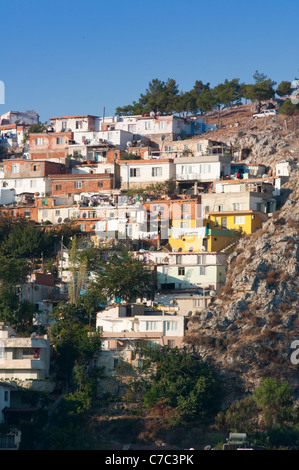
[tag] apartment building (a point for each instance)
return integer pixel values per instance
(141, 173)
(23, 358)
(25, 176)
(50, 145)
(192, 270)
(78, 184)
(253, 194)
(124, 327)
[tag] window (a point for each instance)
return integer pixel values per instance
(27, 213)
(202, 270)
(199, 147)
(181, 271)
(82, 227)
(100, 184)
(59, 140)
(57, 212)
(134, 172)
(151, 326)
(7, 441)
(157, 171)
(5, 395)
(223, 222)
(27, 352)
(32, 183)
(237, 206)
(39, 141)
(216, 221)
(197, 302)
(259, 206)
(78, 184)
(79, 125)
(147, 125)
(35, 167)
(63, 126)
(179, 259)
(162, 124)
(15, 168)
(171, 326)
(207, 208)
(239, 220)
(58, 187)
(220, 208)
(199, 259)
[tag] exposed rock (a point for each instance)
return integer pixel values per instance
(247, 331)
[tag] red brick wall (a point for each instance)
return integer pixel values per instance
(98, 182)
(49, 148)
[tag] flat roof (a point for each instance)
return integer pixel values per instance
(75, 116)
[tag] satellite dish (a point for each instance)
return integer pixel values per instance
(173, 250)
(163, 137)
(129, 144)
(59, 220)
(191, 248)
(152, 113)
(202, 248)
(180, 249)
(152, 248)
(84, 215)
(212, 293)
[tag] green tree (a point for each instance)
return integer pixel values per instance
(183, 382)
(262, 89)
(35, 128)
(284, 88)
(274, 399)
(290, 110)
(73, 341)
(124, 277)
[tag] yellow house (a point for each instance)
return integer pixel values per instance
(219, 230)
(243, 221)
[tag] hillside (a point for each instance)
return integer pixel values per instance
(247, 331)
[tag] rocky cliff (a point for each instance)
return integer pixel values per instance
(247, 332)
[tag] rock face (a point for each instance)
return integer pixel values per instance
(248, 329)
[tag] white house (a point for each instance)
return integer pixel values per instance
(23, 358)
(141, 173)
(125, 327)
(192, 270)
(202, 168)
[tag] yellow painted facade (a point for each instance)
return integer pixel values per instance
(220, 232)
(245, 221)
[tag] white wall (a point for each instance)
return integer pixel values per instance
(41, 185)
(165, 171)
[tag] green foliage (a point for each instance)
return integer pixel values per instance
(124, 277)
(35, 128)
(284, 88)
(72, 339)
(289, 109)
(274, 399)
(182, 382)
(262, 89)
(129, 156)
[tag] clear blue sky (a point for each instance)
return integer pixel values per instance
(77, 57)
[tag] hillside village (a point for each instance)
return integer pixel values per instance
(194, 198)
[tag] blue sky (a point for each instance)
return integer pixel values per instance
(77, 57)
